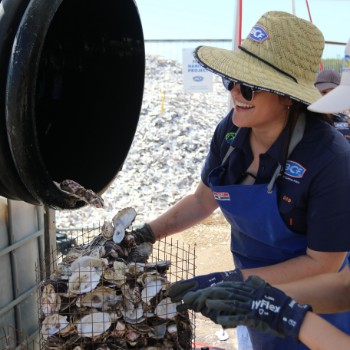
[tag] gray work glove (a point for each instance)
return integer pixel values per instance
(143, 234)
(179, 289)
(253, 303)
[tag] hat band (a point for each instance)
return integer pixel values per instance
(269, 64)
(324, 82)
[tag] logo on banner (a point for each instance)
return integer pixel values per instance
(294, 169)
(198, 78)
(222, 196)
(195, 77)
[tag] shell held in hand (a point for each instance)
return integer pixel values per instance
(121, 221)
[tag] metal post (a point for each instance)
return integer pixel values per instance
(237, 37)
(50, 240)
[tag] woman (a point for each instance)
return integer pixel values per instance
(280, 173)
(250, 302)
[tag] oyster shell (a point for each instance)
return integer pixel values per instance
(89, 261)
(133, 313)
(84, 280)
(136, 269)
(62, 272)
(93, 325)
(52, 324)
(166, 309)
(158, 331)
(76, 190)
(72, 254)
(100, 298)
(107, 230)
(119, 330)
(151, 289)
(131, 336)
(50, 301)
(131, 293)
(140, 253)
(117, 274)
(121, 221)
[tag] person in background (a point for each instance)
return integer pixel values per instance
(279, 172)
(326, 81)
(286, 311)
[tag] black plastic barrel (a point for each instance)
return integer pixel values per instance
(71, 86)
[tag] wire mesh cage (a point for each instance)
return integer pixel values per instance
(96, 294)
(12, 338)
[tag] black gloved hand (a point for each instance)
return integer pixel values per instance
(255, 304)
(196, 300)
(143, 234)
(179, 289)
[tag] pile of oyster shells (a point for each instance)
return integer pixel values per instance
(168, 151)
(107, 295)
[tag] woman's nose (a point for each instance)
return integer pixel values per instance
(235, 90)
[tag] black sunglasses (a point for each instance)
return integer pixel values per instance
(246, 91)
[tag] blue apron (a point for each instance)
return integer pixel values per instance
(259, 237)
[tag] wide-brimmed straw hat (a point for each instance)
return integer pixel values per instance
(337, 100)
(281, 54)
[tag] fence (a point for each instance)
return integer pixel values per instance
(172, 49)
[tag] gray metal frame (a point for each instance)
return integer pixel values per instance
(27, 235)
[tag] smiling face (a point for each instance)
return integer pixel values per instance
(267, 111)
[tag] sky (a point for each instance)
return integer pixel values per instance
(215, 19)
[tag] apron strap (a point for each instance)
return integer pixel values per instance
(297, 135)
(230, 150)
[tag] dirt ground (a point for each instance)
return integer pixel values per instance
(211, 240)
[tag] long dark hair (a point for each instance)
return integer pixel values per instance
(296, 109)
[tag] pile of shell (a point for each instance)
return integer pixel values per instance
(107, 295)
(168, 151)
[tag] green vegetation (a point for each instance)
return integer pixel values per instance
(333, 63)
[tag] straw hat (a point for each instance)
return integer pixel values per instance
(337, 100)
(281, 54)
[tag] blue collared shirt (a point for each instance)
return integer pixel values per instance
(314, 190)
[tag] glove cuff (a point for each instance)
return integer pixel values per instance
(293, 317)
(234, 275)
(148, 233)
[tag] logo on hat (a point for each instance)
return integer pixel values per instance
(258, 33)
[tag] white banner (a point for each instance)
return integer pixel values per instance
(195, 77)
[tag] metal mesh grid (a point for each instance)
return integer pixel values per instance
(91, 299)
(12, 338)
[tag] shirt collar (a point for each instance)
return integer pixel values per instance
(275, 151)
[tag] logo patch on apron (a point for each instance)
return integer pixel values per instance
(222, 196)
